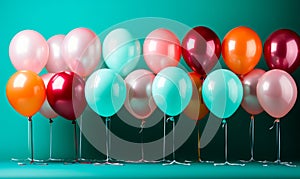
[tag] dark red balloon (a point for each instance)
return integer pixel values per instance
(281, 50)
(65, 94)
(201, 49)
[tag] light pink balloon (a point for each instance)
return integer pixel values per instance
(139, 101)
(81, 50)
(276, 92)
(28, 50)
(46, 109)
(56, 62)
(250, 102)
(161, 49)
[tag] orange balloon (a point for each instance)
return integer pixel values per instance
(241, 49)
(26, 92)
(196, 109)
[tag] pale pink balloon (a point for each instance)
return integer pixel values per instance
(46, 109)
(56, 62)
(81, 50)
(161, 49)
(28, 50)
(276, 92)
(250, 102)
(139, 101)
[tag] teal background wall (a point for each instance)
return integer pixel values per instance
(59, 17)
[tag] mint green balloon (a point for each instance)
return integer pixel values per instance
(121, 52)
(105, 92)
(172, 90)
(222, 93)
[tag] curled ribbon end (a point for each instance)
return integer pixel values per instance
(142, 126)
(170, 119)
(275, 121)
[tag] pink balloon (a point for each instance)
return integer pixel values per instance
(46, 109)
(28, 50)
(139, 101)
(250, 102)
(81, 50)
(161, 49)
(276, 92)
(56, 62)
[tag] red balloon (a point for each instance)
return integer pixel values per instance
(281, 50)
(201, 49)
(65, 94)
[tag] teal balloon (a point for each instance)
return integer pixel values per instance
(105, 92)
(222, 93)
(121, 52)
(172, 90)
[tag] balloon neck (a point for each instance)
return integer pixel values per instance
(224, 122)
(252, 117)
(107, 119)
(277, 120)
(74, 122)
(30, 118)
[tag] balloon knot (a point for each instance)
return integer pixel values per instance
(224, 122)
(170, 119)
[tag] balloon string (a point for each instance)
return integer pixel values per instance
(142, 138)
(251, 133)
(80, 137)
(226, 141)
(173, 137)
(198, 131)
(75, 140)
(51, 137)
(278, 139)
(164, 138)
(30, 138)
(107, 120)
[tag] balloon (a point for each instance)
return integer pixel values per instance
(250, 102)
(46, 109)
(161, 49)
(172, 90)
(201, 49)
(81, 50)
(282, 50)
(139, 101)
(65, 94)
(105, 92)
(25, 91)
(276, 92)
(56, 62)
(121, 52)
(28, 50)
(222, 92)
(241, 49)
(196, 109)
